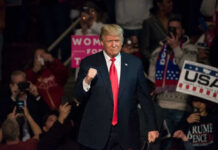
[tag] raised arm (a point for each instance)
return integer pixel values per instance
(34, 126)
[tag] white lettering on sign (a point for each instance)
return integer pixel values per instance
(96, 42)
(76, 41)
(202, 79)
(86, 41)
(77, 59)
(93, 51)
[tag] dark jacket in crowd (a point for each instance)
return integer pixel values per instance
(59, 137)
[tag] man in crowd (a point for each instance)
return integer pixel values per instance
(165, 64)
(23, 93)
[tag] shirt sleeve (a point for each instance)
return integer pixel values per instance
(86, 86)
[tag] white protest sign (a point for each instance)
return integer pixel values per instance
(199, 80)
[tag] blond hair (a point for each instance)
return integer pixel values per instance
(111, 29)
(10, 129)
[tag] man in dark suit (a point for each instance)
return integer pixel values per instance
(23, 93)
(111, 83)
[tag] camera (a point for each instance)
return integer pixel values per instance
(23, 85)
(171, 30)
(19, 106)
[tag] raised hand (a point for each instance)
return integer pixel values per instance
(64, 111)
(152, 136)
(90, 75)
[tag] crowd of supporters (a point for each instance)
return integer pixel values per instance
(35, 114)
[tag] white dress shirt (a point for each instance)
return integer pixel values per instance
(117, 63)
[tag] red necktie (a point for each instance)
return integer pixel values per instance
(115, 89)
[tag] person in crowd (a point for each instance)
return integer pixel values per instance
(155, 28)
(89, 20)
(11, 132)
(110, 83)
(49, 119)
(131, 14)
(200, 125)
(164, 70)
(131, 46)
(57, 131)
(209, 20)
(49, 75)
(209, 9)
(24, 93)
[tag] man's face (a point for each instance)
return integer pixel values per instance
(112, 44)
(15, 80)
(179, 30)
(49, 122)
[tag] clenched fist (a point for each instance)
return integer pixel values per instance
(90, 75)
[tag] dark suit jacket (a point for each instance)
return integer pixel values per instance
(97, 118)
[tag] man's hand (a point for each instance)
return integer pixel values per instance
(180, 135)
(90, 75)
(64, 111)
(194, 117)
(13, 114)
(152, 136)
(203, 54)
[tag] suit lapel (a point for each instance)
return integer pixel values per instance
(123, 74)
(103, 72)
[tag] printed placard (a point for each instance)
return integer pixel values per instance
(82, 46)
(199, 80)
